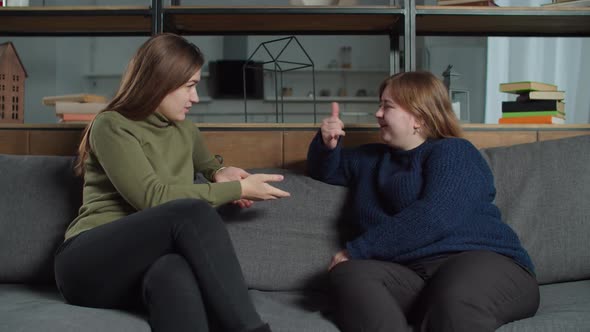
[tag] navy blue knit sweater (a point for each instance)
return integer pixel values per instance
(431, 200)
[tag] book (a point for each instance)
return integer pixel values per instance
(80, 98)
(543, 119)
(541, 95)
(521, 87)
(65, 107)
(67, 117)
(533, 106)
(574, 3)
(521, 114)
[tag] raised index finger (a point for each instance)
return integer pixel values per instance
(335, 110)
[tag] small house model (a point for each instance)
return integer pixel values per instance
(12, 85)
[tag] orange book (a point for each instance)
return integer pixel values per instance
(540, 119)
(76, 117)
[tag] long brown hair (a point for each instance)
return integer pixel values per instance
(161, 65)
(425, 97)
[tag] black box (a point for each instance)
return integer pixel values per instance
(226, 79)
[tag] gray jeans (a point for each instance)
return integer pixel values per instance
(467, 291)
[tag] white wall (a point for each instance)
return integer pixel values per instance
(467, 55)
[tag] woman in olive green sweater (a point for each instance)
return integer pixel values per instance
(146, 235)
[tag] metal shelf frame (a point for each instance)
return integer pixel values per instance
(401, 20)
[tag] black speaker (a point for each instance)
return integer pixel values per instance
(226, 79)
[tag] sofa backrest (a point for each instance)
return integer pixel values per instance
(287, 244)
(543, 192)
(284, 244)
(39, 197)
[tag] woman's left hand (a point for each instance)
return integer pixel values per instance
(231, 173)
(341, 256)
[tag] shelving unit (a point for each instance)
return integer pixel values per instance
(401, 23)
(337, 78)
(76, 21)
(502, 21)
(286, 20)
(406, 21)
(252, 20)
(342, 71)
(329, 99)
(495, 21)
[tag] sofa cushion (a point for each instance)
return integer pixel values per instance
(295, 311)
(287, 244)
(28, 308)
(543, 192)
(40, 197)
(564, 307)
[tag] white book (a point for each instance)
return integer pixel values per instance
(63, 107)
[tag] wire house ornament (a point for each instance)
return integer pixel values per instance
(278, 67)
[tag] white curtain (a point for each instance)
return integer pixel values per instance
(561, 61)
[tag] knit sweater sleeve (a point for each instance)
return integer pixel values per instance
(453, 184)
(203, 159)
(327, 165)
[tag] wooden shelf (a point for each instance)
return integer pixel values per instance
(287, 142)
(75, 21)
(353, 126)
(502, 21)
(350, 99)
(281, 20)
(342, 71)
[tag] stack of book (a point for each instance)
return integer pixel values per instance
(76, 108)
(537, 103)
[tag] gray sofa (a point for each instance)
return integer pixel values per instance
(285, 246)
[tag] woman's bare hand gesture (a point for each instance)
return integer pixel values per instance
(256, 188)
(332, 128)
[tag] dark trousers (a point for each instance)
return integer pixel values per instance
(176, 259)
(468, 291)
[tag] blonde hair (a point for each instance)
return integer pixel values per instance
(426, 98)
(161, 65)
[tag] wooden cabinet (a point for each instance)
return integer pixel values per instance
(269, 145)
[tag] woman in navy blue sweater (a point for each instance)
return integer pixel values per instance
(433, 252)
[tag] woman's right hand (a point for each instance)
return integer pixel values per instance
(332, 128)
(256, 188)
